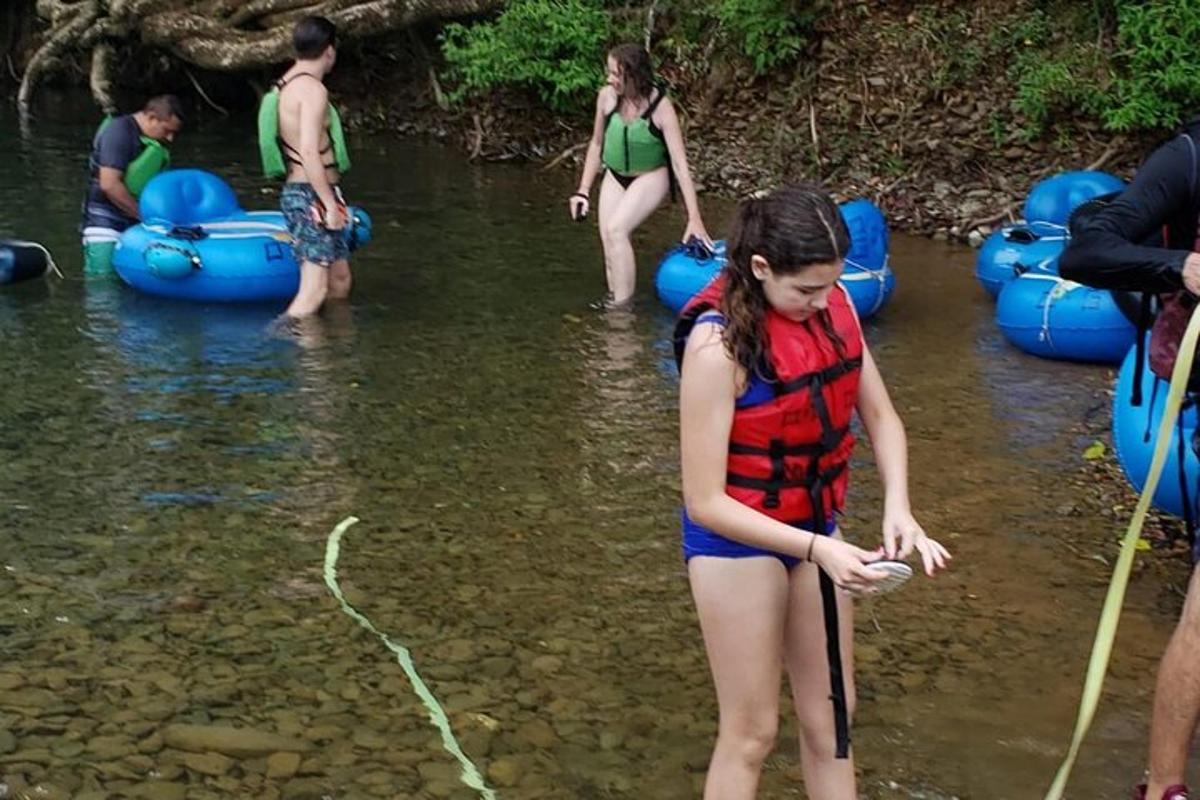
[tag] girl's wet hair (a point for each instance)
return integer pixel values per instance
(791, 229)
(636, 69)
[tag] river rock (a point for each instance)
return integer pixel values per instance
(110, 748)
(505, 771)
(213, 764)
(547, 664)
(282, 765)
(67, 750)
(236, 742)
(324, 733)
(33, 755)
(304, 789)
(157, 790)
(537, 733)
(369, 739)
(438, 772)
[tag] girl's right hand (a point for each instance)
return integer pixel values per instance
(846, 564)
(578, 205)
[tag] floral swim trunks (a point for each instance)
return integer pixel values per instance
(311, 240)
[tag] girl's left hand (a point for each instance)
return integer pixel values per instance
(902, 534)
(696, 228)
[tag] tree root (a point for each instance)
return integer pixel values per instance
(477, 148)
(100, 80)
(200, 89)
(219, 35)
(565, 154)
(70, 22)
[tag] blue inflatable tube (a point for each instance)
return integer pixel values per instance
(685, 270)
(1053, 199)
(196, 243)
(1017, 249)
(869, 289)
(867, 276)
(688, 268)
(868, 235)
(20, 261)
(1134, 429)
(1047, 316)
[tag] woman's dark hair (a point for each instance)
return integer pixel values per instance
(791, 229)
(312, 35)
(636, 69)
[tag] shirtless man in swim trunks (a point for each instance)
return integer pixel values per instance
(311, 201)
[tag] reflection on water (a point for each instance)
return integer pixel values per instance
(172, 470)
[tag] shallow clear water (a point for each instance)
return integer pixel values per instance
(171, 472)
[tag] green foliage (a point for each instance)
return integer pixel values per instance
(553, 47)
(1159, 64)
(997, 131)
(1059, 78)
(966, 45)
(769, 33)
(897, 165)
(1150, 80)
(1057, 87)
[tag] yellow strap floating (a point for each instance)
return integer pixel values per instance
(1110, 615)
(468, 773)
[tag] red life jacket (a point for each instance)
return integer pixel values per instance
(788, 457)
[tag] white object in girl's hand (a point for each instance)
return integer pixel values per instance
(896, 575)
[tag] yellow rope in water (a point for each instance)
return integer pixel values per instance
(468, 774)
(1110, 615)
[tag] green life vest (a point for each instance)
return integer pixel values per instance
(271, 145)
(631, 148)
(153, 159)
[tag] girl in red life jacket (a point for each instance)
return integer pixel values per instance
(773, 366)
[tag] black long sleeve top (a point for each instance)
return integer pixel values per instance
(1109, 248)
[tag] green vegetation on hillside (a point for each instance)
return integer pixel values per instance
(1128, 64)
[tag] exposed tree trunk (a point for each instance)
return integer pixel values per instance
(219, 35)
(100, 79)
(69, 24)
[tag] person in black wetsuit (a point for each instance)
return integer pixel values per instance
(1119, 245)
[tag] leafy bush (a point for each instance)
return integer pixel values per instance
(1057, 87)
(769, 33)
(1150, 80)
(1158, 76)
(553, 47)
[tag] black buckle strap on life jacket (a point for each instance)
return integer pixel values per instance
(768, 485)
(827, 375)
(830, 436)
(287, 149)
(778, 473)
(837, 682)
(810, 449)
(833, 639)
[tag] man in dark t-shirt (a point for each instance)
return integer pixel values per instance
(110, 205)
(1119, 245)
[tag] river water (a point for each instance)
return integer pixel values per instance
(172, 471)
